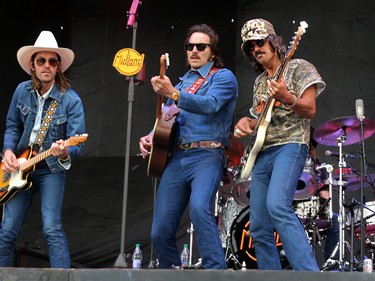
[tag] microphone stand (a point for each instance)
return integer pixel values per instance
(363, 169)
(121, 259)
(153, 263)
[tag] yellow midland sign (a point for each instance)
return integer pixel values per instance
(128, 61)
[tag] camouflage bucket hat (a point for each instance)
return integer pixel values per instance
(256, 29)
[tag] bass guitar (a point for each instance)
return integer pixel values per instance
(259, 133)
(15, 181)
(163, 129)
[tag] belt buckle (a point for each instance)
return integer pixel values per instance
(187, 145)
(215, 144)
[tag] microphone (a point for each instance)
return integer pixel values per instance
(132, 13)
(330, 153)
(359, 110)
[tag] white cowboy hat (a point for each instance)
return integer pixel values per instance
(45, 42)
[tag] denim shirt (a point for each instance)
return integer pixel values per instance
(68, 121)
(206, 115)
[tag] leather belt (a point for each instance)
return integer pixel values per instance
(203, 144)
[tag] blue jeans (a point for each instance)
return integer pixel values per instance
(273, 184)
(51, 188)
(191, 174)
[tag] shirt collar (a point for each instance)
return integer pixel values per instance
(204, 70)
(47, 94)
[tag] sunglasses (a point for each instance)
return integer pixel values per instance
(250, 45)
(53, 62)
(200, 46)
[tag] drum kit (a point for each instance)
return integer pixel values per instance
(233, 197)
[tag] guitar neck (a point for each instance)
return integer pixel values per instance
(164, 63)
(270, 101)
(159, 110)
(35, 160)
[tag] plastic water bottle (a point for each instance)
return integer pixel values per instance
(243, 266)
(367, 265)
(137, 257)
(185, 256)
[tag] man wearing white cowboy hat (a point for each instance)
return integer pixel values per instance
(48, 93)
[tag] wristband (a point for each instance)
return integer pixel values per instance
(294, 102)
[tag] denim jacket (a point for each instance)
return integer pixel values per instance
(68, 121)
(208, 114)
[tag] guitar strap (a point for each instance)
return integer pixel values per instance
(173, 110)
(45, 125)
(196, 85)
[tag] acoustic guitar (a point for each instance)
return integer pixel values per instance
(257, 138)
(164, 129)
(13, 182)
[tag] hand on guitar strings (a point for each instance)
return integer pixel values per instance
(145, 144)
(279, 91)
(9, 163)
(136, 166)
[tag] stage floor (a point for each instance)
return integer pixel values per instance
(117, 274)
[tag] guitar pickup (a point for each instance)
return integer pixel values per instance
(6, 177)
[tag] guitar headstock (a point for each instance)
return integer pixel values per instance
(164, 64)
(167, 62)
(75, 140)
(296, 38)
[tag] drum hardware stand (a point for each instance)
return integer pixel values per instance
(311, 224)
(316, 236)
(191, 235)
(342, 214)
(231, 257)
(341, 217)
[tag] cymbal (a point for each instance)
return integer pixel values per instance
(353, 182)
(349, 126)
(347, 172)
(234, 152)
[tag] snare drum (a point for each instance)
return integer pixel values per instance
(307, 210)
(241, 192)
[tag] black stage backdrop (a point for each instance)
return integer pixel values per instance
(339, 42)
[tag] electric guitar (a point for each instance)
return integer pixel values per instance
(257, 138)
(163, 129)
(15, 181)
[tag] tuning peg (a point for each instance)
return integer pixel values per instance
(304, 24)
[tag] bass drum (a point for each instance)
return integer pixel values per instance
(241, 242)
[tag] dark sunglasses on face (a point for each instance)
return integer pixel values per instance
(52, 61)
(250, 44)
(200, 46)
